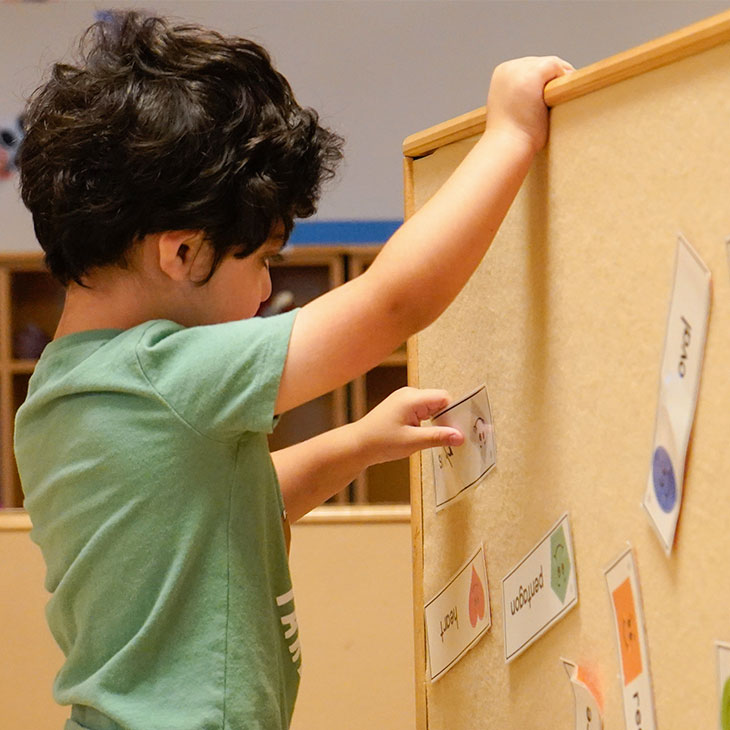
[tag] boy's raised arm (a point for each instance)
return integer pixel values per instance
(349, 330)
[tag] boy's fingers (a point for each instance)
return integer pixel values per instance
(556, 66)
(561, 62)
(565, 67)
(427, 401)
(426, 437)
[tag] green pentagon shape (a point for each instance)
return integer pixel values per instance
(559, 564)
(725, 706)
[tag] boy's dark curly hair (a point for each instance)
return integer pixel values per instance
(164, 127)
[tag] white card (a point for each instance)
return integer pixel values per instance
(587, 709)
(723, 684)
(623, 591)
(460, 467)
(539, 590)
(458, 616)
(684, 346)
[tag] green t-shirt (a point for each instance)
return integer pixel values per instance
(145, 465)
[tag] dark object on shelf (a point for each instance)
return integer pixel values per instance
(11, 135)
(28, 344)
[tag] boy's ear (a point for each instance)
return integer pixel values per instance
(184, 255)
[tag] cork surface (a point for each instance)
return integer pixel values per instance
(564, 321)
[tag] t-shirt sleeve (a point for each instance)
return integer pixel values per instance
(221, 379)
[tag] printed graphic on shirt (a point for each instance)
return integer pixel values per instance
(290, 627)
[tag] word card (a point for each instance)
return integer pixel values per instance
(723, 684)
(587, 708)
(539, 590)
(456, 468)
(684, 345)
(623, 588)
(458, 616)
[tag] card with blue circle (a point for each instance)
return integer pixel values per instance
(679, 382)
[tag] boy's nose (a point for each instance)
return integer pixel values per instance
(266, 293)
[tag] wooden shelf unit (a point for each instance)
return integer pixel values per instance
(389, 482)
(30, 296)
(307, 272)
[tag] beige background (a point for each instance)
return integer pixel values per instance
(565, 323)
(352, 582)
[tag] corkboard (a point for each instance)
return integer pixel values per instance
(564, 321)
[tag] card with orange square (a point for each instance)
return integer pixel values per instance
(622, 580)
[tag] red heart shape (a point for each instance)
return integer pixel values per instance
(476, 598)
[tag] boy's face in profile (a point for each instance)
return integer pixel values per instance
(239, 285)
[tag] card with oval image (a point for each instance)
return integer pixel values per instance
(457, 468)
(681, 369)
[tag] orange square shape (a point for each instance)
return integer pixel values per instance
(628, 631)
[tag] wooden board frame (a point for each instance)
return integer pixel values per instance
(419, 634)
(668, 49)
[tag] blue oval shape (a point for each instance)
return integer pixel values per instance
(665, 486)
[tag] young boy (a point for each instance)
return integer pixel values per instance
(163, 174)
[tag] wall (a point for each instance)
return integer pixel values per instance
(353, 586)
(353, 591)
(378, 71)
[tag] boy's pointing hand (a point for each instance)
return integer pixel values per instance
(392, 430)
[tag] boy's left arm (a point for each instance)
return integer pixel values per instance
(313, 471)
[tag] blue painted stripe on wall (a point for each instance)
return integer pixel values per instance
(350, 232)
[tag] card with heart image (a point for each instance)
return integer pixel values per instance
(458, 616)
(457, 468)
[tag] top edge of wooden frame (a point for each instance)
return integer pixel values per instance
(662, 51)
